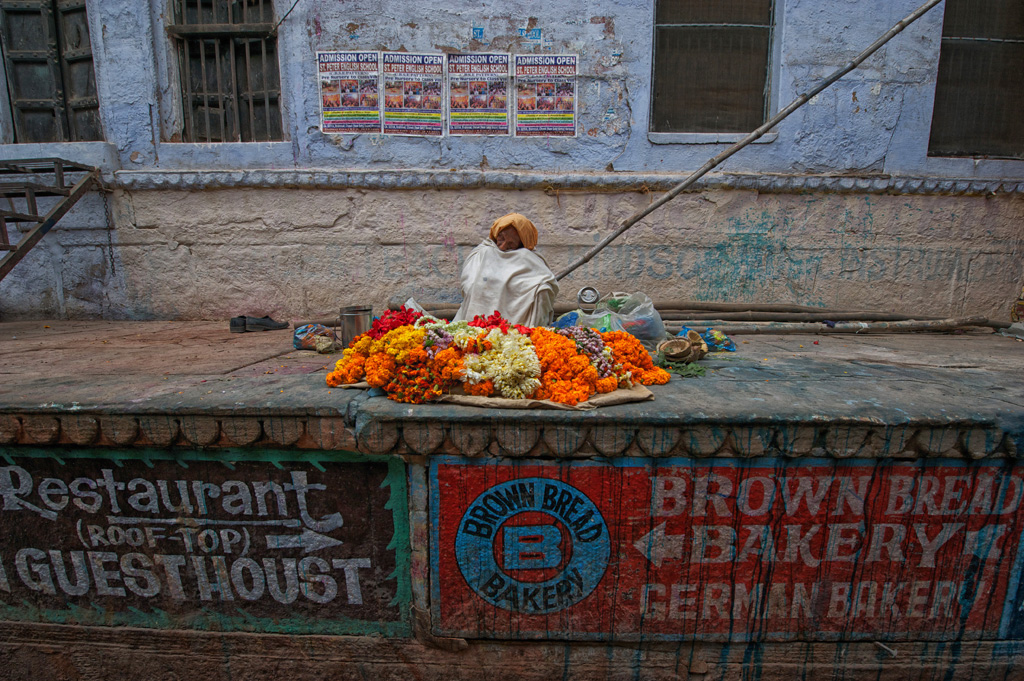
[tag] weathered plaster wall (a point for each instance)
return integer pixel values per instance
(298, 253)
(840, 206)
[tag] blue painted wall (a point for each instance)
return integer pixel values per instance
(839, 206)
(876, 120)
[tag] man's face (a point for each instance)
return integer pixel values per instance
(508, 239)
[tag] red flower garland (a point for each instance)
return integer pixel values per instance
(392, 319)
(496, 321)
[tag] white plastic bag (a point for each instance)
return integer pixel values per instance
(630, 312)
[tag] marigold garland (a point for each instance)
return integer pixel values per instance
(425, 358)
(568, 377)
(482, 389)
(348, 369)
(448, 365)
(634, 358)
(380, 369)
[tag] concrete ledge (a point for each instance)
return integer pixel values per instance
(193, 384)
(533, 438)
(418, 179)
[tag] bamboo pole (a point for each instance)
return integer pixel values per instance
(850, 327)
(673, 306)
(670, 316)
(775, 120)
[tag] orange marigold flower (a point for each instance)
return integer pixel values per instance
(566, 376)
(380, 369)
(655, 376)
(349, 369)
(634, 358)
(448, 365)
(607, 384)
(483, 389)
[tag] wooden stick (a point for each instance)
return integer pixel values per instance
(668, 316)
(775, 120)
(668, 307)
(846, 327)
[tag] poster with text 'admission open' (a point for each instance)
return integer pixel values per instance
(546, 95)
(478, 86)
(349, 91)
(413, 93)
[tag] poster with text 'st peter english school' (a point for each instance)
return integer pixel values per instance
(413, 91)
(349, 91)
(478, 101)
(545, 95)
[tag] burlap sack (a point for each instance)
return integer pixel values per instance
(637, 393)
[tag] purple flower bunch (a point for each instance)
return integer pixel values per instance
(588, 342)
(437, 340)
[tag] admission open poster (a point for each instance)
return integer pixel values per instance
(546, 95)
(413, 91)
(478, 86)
(349, 91)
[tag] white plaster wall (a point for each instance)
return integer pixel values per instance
(299, 254)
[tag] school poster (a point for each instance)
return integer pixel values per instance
(545, 95)
(413, 93)
(478, 89)
(349, 91)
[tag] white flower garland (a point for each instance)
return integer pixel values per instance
(511, 364)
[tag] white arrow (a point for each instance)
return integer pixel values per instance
(657, 545)
(308, 540)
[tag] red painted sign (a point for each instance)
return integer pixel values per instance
(725, 549)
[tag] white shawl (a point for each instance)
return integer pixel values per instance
(518, 284)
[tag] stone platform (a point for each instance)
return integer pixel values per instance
(195, 384)
(712, 504)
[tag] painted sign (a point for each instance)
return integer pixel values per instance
(288, 544)
(726, 549)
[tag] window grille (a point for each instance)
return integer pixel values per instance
(227, 55)
(711, 61)
(979, 93)
(50, 78)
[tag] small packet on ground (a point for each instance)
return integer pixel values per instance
(314, 337)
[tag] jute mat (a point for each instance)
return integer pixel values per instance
(638, 393)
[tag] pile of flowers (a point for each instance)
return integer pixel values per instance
(418, 358)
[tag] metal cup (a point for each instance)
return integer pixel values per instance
(353, 321)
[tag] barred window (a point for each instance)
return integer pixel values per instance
(711, 60)
(979, 94)
(50, 79)
(230, 83)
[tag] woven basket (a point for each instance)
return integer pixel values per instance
(684, 349)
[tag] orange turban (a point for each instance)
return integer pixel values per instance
(527, 232)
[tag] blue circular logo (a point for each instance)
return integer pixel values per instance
(532, 545)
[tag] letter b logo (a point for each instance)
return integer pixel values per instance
(532, 547)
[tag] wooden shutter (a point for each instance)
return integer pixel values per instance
(979, 93)
(33, 71)
(229, 70)
(50, 77)
(81, 103)
(710, 65)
